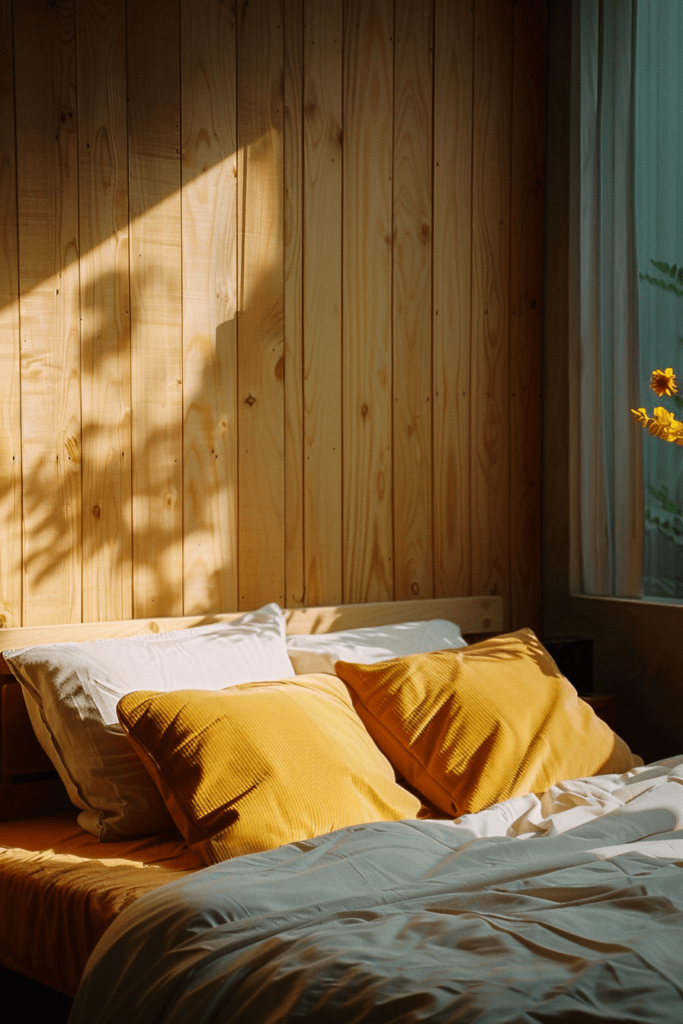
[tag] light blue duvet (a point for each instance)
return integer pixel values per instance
(563, 907)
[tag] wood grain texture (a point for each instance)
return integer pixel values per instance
(322, 204)
(472, 614)
(526, 287)
(412, 300)
(209, 257)
(478, 614)
(558, 513)
(290, 322)
(156, 316)
(10, 347)
(490, 367)
(293, 282)
(368, 572)
(453, 80)
(47, 169)
(105, 317)
(260, 359)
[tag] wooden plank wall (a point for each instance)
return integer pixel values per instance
(270, 304)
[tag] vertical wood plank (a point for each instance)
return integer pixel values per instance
(491, 160)
(105, 319)
(293, 253)
(526, 285)
(260, 357)
(156, 318)
(10, 378)
(561, 505)
(412, 300)
(209, 218)
(47, 175)
(453, 56)
(366, 294)
(314, 390)
(323, 302)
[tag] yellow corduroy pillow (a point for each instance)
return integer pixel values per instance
(261, 764)
(471, 727)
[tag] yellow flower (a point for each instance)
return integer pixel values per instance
(664, 424)
(662, 382)
(658, 426)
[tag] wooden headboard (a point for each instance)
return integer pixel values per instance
(29, 785)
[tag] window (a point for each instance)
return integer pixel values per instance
(628, 217)
(659, 244)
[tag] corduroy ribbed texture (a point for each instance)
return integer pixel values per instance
(262, 764)
(471, 727)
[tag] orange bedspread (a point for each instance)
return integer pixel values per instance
(60, 889)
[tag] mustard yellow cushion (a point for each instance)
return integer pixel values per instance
(473, 726)
(262, 764)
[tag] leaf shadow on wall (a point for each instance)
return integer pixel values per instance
(128, 476)
(126, 502)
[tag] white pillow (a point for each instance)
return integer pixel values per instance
(72, 690)
(320, 651)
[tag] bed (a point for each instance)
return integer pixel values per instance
(564, 904)
(47, 861)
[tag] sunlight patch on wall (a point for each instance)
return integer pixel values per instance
(129, 401)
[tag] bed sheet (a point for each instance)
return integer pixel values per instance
(60, 889)
(561, 907)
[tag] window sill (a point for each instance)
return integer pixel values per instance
(635, 602)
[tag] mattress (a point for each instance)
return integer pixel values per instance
(60, 889)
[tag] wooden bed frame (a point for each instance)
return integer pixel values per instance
(29, 786)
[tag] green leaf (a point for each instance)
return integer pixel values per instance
(674, 271)
(667, 529)
(668, 286)
(663, 586)
(662, 496)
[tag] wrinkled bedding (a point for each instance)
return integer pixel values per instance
(561, 907)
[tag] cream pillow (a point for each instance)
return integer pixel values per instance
(320, 651)
(72, 690)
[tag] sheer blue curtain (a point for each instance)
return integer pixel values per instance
(603, 202)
